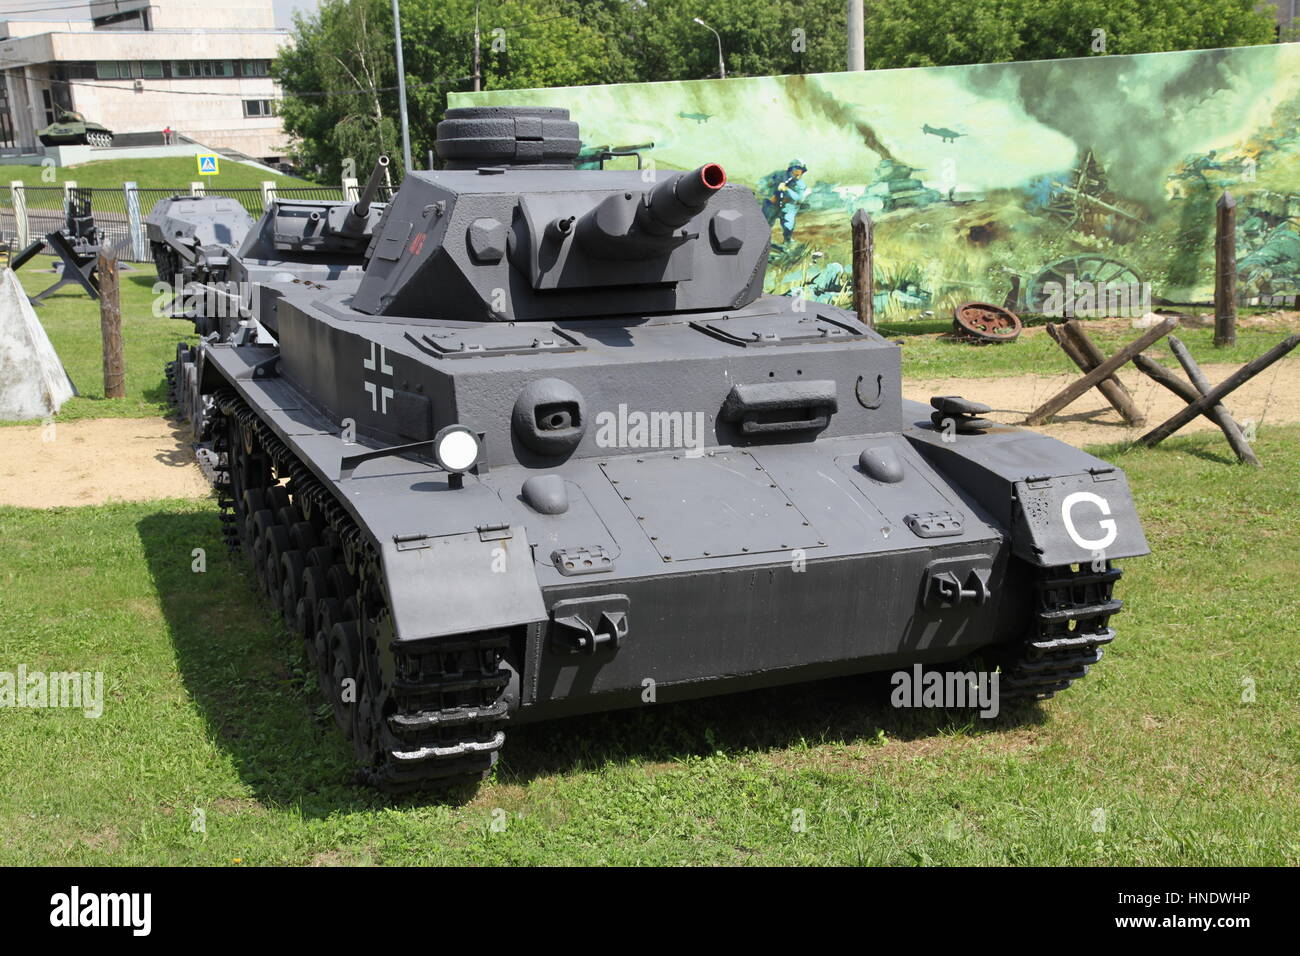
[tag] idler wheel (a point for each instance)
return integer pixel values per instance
(986, 322)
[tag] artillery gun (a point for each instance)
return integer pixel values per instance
(555, 448)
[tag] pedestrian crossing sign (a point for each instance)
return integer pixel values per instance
(208, 165)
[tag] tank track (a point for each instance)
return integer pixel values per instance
(165, 261)
(1072, 611)
(434, 716)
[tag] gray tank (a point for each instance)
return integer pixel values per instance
(555, 452)
(191, 237)
(233, 270)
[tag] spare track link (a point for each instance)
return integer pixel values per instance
(1072, 621)
(440, 721)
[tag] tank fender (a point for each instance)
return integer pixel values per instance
(1059, 504)
(1076, 519)
(458, 583)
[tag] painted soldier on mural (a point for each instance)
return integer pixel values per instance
(782, 192)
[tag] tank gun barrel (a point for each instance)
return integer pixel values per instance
(672, 203)
(624, 226)
(362, 209)
(360, 212)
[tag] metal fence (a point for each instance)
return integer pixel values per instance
(29, 212)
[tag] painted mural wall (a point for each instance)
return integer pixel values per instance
(1024, 181)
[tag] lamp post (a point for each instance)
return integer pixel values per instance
(722, 67)
(401, 90)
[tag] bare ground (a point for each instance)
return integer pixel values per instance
(93, 461)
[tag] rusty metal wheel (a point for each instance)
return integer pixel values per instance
(986, 322)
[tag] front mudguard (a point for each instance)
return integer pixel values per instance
(1058, 505)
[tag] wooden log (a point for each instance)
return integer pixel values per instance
(1076, 355)
(1104, 370)
(1163, 376)
(1218, 413)
(1112, 387)
(110, 323)
(1225, 272)
(1216, 395)
(1188, 393)
(864, 251)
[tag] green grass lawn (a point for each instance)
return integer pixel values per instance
(210, 708)
(71, 320)
(162, 173)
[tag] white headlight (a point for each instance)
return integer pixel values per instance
(456, 448)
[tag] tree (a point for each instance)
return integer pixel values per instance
(337, 77)
(941, 32)
(340, 82)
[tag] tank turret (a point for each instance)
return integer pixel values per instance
(512, 232)
(316, 228)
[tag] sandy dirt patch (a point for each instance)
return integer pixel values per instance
(97, 460)
(1272, 397)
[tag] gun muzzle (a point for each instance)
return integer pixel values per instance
(630, 225)
(672, 203)
(362, 209)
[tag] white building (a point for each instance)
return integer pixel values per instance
(138, 66)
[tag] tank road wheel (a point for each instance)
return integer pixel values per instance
(365, 725)
(277, 546)
(344, 641)
(252, 502)
(429, 713)
(328, 613)
(304, 537)
(291, 572)
(985, 322)
(1073, 606)
(264, 529)
(313, 589)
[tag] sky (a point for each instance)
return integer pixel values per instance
(284, 10)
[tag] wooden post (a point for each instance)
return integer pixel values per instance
(1219, 413)
(1102, 371)
(1216, 395)
(1225, 272)
(110, 324)
(864, 250)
